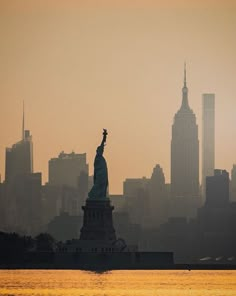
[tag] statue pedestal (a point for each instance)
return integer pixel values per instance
(97, 222)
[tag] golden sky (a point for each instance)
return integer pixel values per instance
(81, 66)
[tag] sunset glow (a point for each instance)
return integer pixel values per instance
(81, 66)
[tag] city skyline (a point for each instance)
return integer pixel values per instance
(45, 176)
(70, 69)
(117, 128)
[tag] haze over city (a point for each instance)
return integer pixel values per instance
(117, 152)
(81, 67)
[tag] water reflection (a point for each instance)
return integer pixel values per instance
(116, 283)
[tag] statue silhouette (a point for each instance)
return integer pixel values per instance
(100, 179)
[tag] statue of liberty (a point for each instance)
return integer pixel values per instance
(100, 178)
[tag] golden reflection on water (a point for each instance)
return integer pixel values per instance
(117, 283)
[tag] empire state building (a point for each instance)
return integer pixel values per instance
(185, 159)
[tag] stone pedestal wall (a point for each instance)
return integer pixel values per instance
(97, 221)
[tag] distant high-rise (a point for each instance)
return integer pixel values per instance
(22, 187)
(208, 138)
(67, 168)
(233, 184)
(24, 204)
(131, 187)
(157, 182)
(217, 189)
(185, 158)
(158, 200)
(67, 183)
(19, 158)
(135, 192)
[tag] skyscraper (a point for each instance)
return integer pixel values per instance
(158, 199)
(217, 189)
(22, 187)
(135, 192)
(208, 138)
(67, 186)
(233, 184)
(19, 158)
(67, 168)
(184, 159)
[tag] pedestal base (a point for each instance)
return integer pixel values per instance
(97, 222)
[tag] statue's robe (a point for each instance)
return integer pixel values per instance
(99, 189)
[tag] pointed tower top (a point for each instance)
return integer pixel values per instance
(185, 84)
(185, 91)
(23, 122)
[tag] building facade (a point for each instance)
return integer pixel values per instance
(208, 138)
(136, 196)
(217, 189)
(233, 184)
(66, 169)
(19, 158)
(67, 188)
(22, 188)
(158, 197)
(184, 159)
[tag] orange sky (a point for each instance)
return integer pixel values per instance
(84, 65)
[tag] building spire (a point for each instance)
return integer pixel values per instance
(185, 91)
(185, 84)
(23, 122)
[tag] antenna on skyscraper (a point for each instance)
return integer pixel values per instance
(23, 122)
(185, 83)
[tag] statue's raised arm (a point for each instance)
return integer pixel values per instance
(100, 178)
(104, 137)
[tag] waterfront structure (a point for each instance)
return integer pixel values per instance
(185, 159)
(98, 241)
(216, 221)
(208, 138)
(98, 231)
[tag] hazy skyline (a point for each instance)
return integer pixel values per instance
(81, 66)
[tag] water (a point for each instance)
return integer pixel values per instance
(117, 283)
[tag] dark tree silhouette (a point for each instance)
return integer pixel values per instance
(44, 242)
